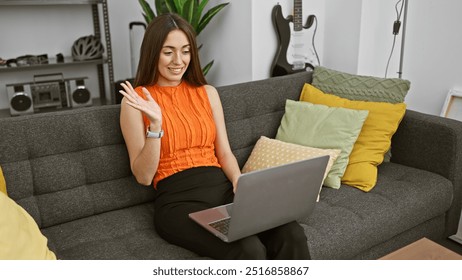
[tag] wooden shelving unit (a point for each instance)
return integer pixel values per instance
(68, 62)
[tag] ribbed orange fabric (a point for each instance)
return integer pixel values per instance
(189, 129)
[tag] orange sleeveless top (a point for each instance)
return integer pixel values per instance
(189, 128)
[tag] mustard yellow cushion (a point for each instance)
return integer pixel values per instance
(20, 237)
(2, 182)
(271, 152)
(374, 139)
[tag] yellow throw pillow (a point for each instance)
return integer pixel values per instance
(271, 152)
(20, 237)
(373, 141)
(2, 182)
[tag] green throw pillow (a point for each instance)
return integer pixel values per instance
(323, 127)
(356, 87)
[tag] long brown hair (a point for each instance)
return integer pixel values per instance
(154, 38)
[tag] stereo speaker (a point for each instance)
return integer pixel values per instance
(20, 100)
(80, 96)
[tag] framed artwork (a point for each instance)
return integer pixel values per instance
(452, 107)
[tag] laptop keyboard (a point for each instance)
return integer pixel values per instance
(221, 225)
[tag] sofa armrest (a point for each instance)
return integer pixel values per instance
(432, 143)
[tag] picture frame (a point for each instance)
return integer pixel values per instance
(452, 107)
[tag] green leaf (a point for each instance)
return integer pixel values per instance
(189, 11)
(207, 67)
(208, 17)
(161, 7)
(197, 13)
(148, 12)
(179, 6)
(170, 4)
(202, 4)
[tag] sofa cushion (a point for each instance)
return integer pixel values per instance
(271, 152)
(348, 221)
(323, 127)
(75, 166)
(124, 234)
(359, 87)
(373, 141)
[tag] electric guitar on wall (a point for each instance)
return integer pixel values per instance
(292, 52)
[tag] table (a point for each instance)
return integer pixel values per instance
(423, 249)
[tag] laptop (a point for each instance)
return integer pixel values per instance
(266, 199)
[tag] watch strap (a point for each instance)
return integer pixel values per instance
(151, 134)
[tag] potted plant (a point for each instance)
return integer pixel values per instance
(191, 10)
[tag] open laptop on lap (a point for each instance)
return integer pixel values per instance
(266, 199)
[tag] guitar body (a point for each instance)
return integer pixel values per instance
(281, 65)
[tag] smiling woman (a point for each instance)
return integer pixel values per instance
(185, 154)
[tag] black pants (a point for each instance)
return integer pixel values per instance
(204, 187)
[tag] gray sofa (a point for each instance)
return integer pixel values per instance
(70, 171)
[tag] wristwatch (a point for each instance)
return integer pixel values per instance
(150, 134)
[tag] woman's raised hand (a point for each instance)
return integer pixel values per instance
(147, 106)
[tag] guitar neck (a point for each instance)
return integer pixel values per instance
(298, 17)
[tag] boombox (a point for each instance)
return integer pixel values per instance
(49, 94)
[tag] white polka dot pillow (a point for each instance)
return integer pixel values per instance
(271, 152)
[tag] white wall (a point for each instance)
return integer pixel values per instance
(376, 39)
(342, 34)
(121, 13)
(228, 41)
(431, 53)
